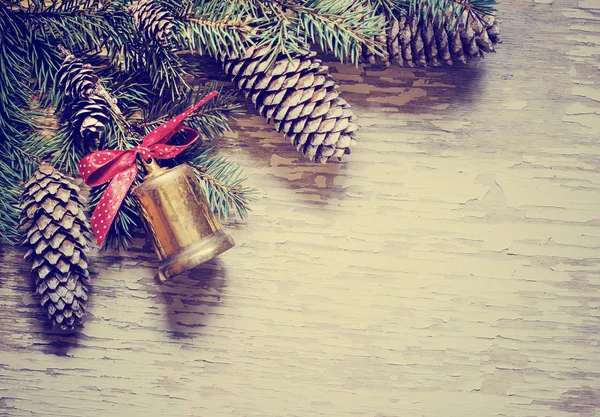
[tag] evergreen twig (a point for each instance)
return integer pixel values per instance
(10, 192)
(223, 184)
(343, 27)
(215, 28)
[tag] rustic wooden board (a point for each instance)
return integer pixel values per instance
(449, 267)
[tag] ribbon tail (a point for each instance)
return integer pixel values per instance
(111, 200)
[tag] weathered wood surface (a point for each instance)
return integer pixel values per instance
(450, 267)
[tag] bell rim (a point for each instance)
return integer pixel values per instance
(208, 248)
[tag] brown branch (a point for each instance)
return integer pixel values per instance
(234, 24)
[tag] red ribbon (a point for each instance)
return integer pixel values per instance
(120, 167)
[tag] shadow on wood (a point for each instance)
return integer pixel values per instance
(59, 342)
(189, 299)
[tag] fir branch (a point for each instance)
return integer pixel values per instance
(222, 181)
(236, 25)
(10, 191)
(45, 61)
(17, 122)
(80, 25)
(278, 33)
(215, 28)
(165, 70)
(71, 148)
(211, 120)
(389, 7)
(32, 151)
(343, 27)
(23, 158)
(273, 27)
(15, 90)
(132, 91)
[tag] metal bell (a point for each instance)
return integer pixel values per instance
(177, 214)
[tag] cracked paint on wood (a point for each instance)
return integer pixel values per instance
(449, 267)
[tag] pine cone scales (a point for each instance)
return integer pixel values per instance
(301, 98)
(89, 116)
(413, 42)
(75, 78)
(57, 234)
(153, 21)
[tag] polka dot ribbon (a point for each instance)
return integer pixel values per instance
(120, 167)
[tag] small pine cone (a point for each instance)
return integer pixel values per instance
(426, 42)
(76, 78)
(57, 232)
(153, 21)
(88, 117)
(300, 97)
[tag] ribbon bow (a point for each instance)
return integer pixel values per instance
(120, 167)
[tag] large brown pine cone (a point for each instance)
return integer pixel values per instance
(301, 98)
(56, 231)
(431, 41)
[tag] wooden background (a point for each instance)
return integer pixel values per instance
(449, 267)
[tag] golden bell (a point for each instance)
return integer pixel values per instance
(184, 229)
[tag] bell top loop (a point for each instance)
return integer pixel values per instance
(152, 168)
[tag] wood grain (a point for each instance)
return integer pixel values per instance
(449, 267)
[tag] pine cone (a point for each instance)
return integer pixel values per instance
(302, 99)
(153, 21)
(76, 78)
(89, 116)
(87, 111)
(57, 233)
(413, 42)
